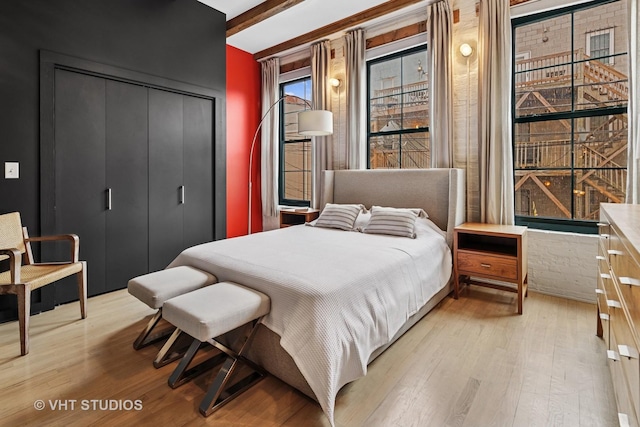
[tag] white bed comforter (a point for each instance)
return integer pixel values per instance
(336, 296)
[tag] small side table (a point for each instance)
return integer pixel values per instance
(491, 251)
(289, 217)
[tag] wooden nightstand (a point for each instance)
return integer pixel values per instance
(491, 251)
(289, 217)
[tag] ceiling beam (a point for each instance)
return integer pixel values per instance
(343, 24)
(379, 40)
(397, 34)
(258, 13)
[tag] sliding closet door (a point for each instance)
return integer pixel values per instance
(127, 181)
(80, 174)
(165, 177)
(198, 170)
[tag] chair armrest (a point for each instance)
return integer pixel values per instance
(15, 262)
(73, 238)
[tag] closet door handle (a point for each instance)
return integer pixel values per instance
(182, 194)
(109, 199)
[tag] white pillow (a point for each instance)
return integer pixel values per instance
(392, 221)
(362, 220)
(420, 212)
(342, 217)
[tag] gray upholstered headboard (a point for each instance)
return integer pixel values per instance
(440, 192)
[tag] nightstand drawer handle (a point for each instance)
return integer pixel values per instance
(603, 224)
(600, 258)
(613, 303)
(614, 252)
(485, 265)
(604, 235)
(604, 316)
(629, 281)
(613, 355)
(628, 351)
(605, 275)
(599, 291)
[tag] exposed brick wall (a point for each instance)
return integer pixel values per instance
(563, 264)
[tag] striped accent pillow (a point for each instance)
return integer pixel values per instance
(338, 216)
(392, 221)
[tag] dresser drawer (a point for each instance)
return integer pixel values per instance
(625, 406)
(603, 313)
(624, 259)
(613, 298)
(627, 350)
(488, 265)
(631, 297)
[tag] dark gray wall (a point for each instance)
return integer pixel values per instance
(182, 40)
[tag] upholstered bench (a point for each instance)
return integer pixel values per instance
(205, 314)
(154, 289)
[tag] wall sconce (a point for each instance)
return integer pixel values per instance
(547, 183)
(466, 50)
(336, 83)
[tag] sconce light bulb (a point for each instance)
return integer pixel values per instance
(466, 50)
(334, 82)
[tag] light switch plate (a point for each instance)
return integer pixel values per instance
(11, 170)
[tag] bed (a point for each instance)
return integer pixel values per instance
(340, 298)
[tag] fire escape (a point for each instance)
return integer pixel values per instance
(544, 152)
(392, 110)
(543, 85)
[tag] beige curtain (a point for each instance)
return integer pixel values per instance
(270, 144)
(494, 105)
(633, 160)
(356, 90)
(440, 33)
(321, 93)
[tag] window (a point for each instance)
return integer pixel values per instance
(398, 113)
(569, 115)
(295, 149)
(599, 44)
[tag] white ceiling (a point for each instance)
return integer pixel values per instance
(300, 19)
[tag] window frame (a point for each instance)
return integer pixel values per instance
(384, 58)
(610, 60)
(549, 223)
(281, 147)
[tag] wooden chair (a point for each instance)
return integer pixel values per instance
(25, 275)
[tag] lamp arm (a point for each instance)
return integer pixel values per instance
(253, 144)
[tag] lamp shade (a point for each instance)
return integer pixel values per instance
(315, 122)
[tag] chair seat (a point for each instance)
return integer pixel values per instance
(38, 275)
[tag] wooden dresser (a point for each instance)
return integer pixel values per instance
(618, 296)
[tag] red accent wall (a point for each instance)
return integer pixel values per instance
(243, 117)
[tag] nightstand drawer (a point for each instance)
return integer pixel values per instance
(488, 265)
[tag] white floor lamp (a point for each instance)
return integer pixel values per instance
(310, 123)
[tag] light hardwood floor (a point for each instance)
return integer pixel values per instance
(470, 362)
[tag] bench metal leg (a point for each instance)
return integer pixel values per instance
(145, 338)
(168, 353)
(183, 375)
(218, 393)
